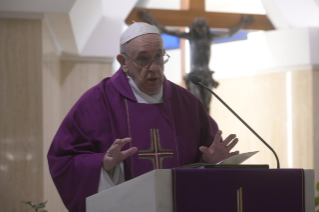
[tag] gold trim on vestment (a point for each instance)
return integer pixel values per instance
(129, 133)
(177, 152)
(156, 147)
(240, 200)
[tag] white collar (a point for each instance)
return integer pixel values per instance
(143, 97)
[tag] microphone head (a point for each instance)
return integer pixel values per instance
(195, 80)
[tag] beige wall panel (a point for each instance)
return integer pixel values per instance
(316, 123)
(261, 101)
(302, 119)
(78, 77)
(21, 164)
(51, 114)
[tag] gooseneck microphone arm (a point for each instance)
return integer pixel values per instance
(197, 81)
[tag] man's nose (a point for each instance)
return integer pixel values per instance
(153, 66)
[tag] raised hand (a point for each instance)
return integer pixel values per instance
(114, 155)
(219, 151)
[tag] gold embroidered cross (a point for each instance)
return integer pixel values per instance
(159, 154)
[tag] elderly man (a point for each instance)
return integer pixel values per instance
(132, 123)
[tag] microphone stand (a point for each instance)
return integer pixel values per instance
(212, 92)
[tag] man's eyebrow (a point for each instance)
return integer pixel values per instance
(143, 52)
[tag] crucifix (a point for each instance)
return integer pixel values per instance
(200, 36)
(192, 9)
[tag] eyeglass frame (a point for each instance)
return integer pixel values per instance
(150, 60)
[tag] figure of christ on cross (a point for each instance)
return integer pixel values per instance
(200, 38)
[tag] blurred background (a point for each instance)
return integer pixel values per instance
(52, 51)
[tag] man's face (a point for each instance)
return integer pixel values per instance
(150, 78)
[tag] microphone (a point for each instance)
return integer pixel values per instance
(195, 80)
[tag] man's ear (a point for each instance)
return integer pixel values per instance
(122, 60)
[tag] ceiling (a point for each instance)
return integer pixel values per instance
(83, 28)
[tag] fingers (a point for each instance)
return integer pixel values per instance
(117, 146)
(218, 136)
(129, 152)
(112, 150)
(206, 154)
(204, 150)
(122, 142)
(229, 139)
(114, 154)
(233, 153)
(232, 144)
(229, 142)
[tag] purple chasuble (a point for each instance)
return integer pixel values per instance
(167, 135)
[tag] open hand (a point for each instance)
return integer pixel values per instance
(219, 151)
(114, 155)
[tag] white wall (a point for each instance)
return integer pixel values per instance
(266, 52)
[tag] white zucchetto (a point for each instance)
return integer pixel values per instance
(137, 29)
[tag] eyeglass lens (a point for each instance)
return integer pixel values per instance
(158, 61)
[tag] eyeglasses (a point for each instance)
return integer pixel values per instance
(160, 60)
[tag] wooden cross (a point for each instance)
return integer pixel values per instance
(196, 8)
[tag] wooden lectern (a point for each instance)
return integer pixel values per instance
(180, 190)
